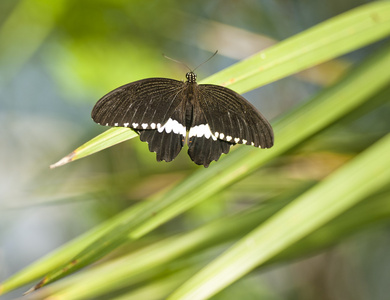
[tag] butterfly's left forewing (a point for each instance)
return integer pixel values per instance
(139, 104)
(153, 107)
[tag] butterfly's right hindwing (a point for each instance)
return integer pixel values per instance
(203, 148)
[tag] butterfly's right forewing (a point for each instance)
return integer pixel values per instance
(232, 118)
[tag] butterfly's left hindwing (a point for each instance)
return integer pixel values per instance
(153, 107)
(167, 141)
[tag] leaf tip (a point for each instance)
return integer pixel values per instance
(36, 287)
(64, 160)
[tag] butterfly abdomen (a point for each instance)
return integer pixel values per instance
(189, 104)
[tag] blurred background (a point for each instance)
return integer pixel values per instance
(57, 58)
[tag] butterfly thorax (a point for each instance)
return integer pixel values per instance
(190, 100)
(191, 77)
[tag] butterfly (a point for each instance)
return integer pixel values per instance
(163, 110)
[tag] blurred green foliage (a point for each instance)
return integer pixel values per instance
(58, 57)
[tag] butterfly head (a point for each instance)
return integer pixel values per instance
(191, 77)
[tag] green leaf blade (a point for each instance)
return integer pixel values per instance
(337, 36)
(105, 140)
(366, 173)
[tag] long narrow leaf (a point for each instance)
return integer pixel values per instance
(107, 139)
(122, 272)
(367, 173)
(334, 37)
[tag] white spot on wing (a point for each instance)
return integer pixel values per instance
(153, 125)
(126, 124)
(116, 124)
(106, 124)
(172, 125)
(244, 141)
(228, 138)
(144, 125)
(221, 135)
(135, 125)
(201, 130)
(252, 143)
(236, 140)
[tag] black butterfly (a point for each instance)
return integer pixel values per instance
(162, 110)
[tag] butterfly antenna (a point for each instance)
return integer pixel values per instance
(177, 61)
(215, 53)
(180, 62)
